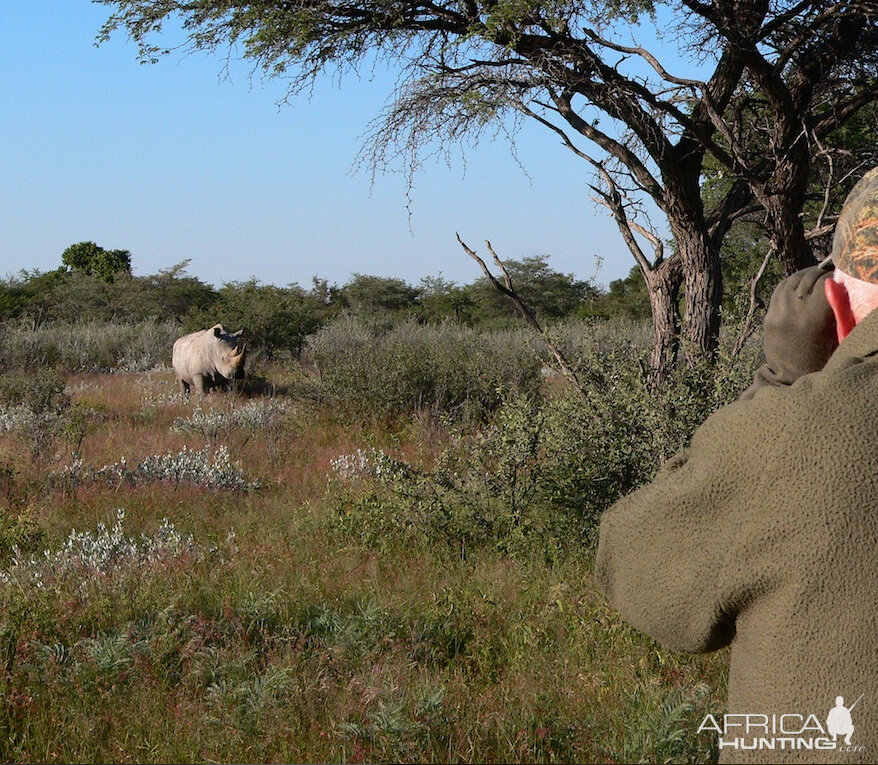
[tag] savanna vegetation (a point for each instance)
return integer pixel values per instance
(378, 548)
(767, 100)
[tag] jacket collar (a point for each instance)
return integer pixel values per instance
(860, 343)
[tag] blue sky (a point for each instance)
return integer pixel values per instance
(172, 162)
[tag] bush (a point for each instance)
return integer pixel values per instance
(38, 390)
(275, 320)
(447, 369)
(480, 491)
(35, 407)
(212, 469)
(101, 553)
(94, 346)
(19, 532)
(538, 477)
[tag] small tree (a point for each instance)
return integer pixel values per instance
(378, 295)
(274, 319)
(93, 260)
(550, 294)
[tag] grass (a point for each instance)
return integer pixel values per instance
(275, 637)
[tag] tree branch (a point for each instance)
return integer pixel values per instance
(508, 289)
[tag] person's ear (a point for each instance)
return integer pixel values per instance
(840, 303)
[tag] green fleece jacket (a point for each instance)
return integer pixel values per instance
(763, 534)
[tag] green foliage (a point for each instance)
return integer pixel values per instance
(626, 299)
(93, 260)
(668, 735)
(169, 294)
(66, 296)
(38, 389)
(35, 408)
(550, 294)
(31, 294)
(536, 479)
(376, 296)
(275, 320)
(442, 300)
(366, 373)
(19, 530)
(480, 491)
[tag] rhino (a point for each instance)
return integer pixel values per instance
(208, 358)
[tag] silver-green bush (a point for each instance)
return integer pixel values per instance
(93, 346)
(445, 368)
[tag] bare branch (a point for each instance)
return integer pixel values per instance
(748, 327)
(612, 200)
(646, 56)
(508, 289)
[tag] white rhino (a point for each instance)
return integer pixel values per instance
(208, 358)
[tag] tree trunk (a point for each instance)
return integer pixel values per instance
(703, 285)
(663, 283)
(785, 220)
(703, 297)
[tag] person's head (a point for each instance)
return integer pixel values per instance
(852, 291)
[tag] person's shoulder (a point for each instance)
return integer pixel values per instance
(774, 412)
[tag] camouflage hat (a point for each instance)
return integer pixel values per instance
(855, 244)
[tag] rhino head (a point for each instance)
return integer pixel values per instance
(230, 363)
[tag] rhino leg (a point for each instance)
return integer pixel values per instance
(198, 381)
(184, 388)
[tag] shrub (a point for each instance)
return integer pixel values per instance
(93, 346)
(212, 469)
(35, 407)
(37, 390)
(256, 416)
(483, 490)
(447, 368)
(540, 474)
(19, 532)
(101, 553)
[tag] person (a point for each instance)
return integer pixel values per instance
(763, 534)
(839, 721)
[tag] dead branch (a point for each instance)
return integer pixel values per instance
(748, 327)
(508, 289)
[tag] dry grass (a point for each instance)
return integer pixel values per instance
(290, 642)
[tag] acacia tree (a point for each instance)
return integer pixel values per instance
(776, 78)
(92, 259)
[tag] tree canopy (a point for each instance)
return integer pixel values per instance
(91, 259)
(278, 319)
(776, 80)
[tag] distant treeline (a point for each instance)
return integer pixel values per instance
(278, 319)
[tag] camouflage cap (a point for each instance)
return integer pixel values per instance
(855, 244)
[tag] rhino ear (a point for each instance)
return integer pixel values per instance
(217, 330)
(238, 333)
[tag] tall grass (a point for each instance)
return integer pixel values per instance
(93, 346)
(415, 588)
